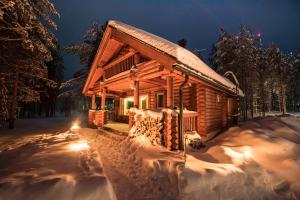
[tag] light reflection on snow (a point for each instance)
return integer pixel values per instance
(247, 154)
(237, 157)
(74, 127)
(79, 146)
(201, 166)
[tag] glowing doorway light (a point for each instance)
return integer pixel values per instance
(79, 146)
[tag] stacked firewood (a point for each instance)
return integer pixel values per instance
(150, 127)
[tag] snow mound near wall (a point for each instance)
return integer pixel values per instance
(259, 160)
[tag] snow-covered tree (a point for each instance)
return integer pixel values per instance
(182, 42)
(26, 41)
(71, 89)
(294, 93)
(237, 53)
(264, 73)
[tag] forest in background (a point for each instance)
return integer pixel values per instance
(31, 73)
(31, 66)
(269, 77)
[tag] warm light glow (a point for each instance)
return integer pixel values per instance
(75, 126)
(258, 34)
(79, 146)
(239, 158)
(248, 154)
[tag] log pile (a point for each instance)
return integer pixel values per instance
(150, 127)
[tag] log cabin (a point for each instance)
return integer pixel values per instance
(134, 68)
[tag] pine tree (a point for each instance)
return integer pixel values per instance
(265, 74)
(26, 41)
(182, 42)
(236, 53)
(294, 94)
(86, 52)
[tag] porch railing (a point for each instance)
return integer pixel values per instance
(190, 121)
(111, 115)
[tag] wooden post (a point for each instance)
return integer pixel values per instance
(136, 58)
(103, 96)
(136, 93)
(170, 92)
(93, 102)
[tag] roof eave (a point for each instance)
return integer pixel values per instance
(183, 68)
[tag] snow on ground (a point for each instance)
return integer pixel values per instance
(136, 169)
(260, 159)
(41, 159)
(296, 114)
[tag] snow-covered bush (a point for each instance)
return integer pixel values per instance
(194, 140)
(149, 127)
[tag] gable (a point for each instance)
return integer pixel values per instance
(117, 48)
(119, 36)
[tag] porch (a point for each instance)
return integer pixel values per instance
(169, 118)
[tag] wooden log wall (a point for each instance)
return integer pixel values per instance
(201, 120)
(100, 118)
(152, 99)
(187, 91)
(212, 109)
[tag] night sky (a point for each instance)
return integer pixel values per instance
(198, 21)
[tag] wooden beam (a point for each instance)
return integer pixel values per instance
(124, 76)
(93, 102)
(103, 97)
(157, 82)
(151, 75)
(146, 50)
(118, 60)
(97, 74)
(170, 92)
(136, 94)
(137, 59)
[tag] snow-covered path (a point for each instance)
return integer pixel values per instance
(36, 164)
(124, 163)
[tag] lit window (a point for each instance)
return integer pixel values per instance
(128, 102)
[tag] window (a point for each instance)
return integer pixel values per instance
(128, 102)
(144, 102)
(160, 100)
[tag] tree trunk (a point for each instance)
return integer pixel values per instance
(262, 96)
(251, 103)
(283, 99)
(12, 113)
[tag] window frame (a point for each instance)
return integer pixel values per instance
(163, 99)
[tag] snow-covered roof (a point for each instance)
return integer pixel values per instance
(181, 54)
